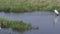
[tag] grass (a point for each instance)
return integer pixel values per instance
(15, 25)
(29, 5)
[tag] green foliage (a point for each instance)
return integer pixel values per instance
(28, 5)
(16, 25)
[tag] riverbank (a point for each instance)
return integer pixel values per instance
(15, 25)
(28, 5)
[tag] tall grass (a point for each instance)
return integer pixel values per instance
(28, 5)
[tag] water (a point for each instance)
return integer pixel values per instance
(48, 23)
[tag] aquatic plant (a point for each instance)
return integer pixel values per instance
(15, 25)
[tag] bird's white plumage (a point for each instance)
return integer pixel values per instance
(56, 11)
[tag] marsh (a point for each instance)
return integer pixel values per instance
(47, 22)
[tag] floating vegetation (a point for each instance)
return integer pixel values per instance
(15, 25)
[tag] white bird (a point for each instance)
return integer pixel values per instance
(56, 12)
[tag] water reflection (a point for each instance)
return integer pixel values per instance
(55, 20)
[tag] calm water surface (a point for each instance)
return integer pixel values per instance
(48, 23)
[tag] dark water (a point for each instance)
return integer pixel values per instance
(48, 23)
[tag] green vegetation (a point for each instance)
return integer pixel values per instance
(28, 5)
(15, 25)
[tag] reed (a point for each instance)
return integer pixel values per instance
(28, 5)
